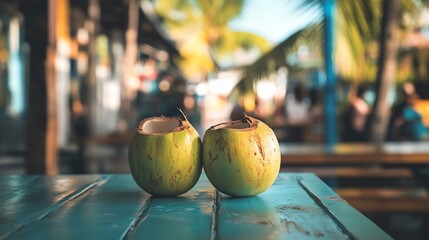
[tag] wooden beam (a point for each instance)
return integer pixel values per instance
(330, 99)
(41, 154)
(386, 199)
(355, 154)
(130, 60)
(90, 90)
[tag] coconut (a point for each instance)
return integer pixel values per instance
(164, 156)
(241, 158)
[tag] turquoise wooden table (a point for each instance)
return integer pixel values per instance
(297, 206)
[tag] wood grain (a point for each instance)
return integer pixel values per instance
(35, 202)
(188, 216)
(285, 211)
(355, 154)
(356, 225)
(297, 206)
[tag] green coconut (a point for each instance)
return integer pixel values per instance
(241, 158)
(164, 156)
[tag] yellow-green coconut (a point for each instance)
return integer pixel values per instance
(241, 158)
(165, 156)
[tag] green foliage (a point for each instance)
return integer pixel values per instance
(276, 58)
(201, 29)
(358, 29)
(356, 40)
(230, 40)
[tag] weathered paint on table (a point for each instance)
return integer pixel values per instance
(297, 206)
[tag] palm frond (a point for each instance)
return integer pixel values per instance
(220, 12)
(275, 58)
(231, 40)
(356, 30)
(200, 28)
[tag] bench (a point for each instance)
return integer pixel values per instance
(370, 200)
(406, 154)
(380, 179)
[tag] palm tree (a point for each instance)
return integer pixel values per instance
(201, 30)
(393, 12)
(389, 44)
(358, 28)
(355, 33)
(276, 58)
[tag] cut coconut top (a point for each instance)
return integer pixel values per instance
(160, 125)
(244, 124)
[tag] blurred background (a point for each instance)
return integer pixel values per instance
(344, 85)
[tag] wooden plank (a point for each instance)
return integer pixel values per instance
(41, 199)
(298, 206)
(302, 154)
(353, 172)
(355, 154)
(351, 220)
(188, 216)
(127, 211)
(354, 159)
(387, 199)
(105, 212)
(412, 205)
(283, 211)
(11, 186)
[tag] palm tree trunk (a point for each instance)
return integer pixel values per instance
(389, 43)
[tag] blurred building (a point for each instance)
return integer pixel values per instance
(71, 69)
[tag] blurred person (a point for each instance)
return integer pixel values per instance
(4, 96)
(297, 113)
(405, 122)
(356, 117)
(79, 126)
(316, 106)
(297, 108)
(406, 93)
(316, 116)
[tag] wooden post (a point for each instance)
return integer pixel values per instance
(90, 92)
(131, 50)
(330, 96)
(42, 150)
(51, 160)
